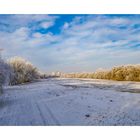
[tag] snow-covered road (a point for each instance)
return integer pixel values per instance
(71, 102)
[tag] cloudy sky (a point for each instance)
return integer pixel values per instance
(71, 43)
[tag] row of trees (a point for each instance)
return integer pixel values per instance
(120, 73)
(18, 70)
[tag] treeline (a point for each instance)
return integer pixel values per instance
(17, 71)
(120, 73)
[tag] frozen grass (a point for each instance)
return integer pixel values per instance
(23, 71)
(120, 73)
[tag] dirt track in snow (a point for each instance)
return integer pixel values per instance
(71, 102)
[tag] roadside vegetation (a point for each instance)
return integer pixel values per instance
(120, 73)
(18, 71)
(5, 72)
(22, 71)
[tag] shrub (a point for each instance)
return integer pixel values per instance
(23, 71)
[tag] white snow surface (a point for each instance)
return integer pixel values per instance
(61, 101)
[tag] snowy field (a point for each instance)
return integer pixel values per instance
(71, 102)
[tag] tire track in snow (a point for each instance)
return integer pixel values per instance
(47, 116)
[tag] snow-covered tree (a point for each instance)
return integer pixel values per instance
(23, 71)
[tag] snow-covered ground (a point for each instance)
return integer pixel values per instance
(71, 102)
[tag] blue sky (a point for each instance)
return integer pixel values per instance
(71, 43)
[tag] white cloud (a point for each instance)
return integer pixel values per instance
(84, 44)
(66, 25)
(47, 24)
(37, 35)
(13, 22)
(120, 21)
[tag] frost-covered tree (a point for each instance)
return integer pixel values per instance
(23, 71)
(5, 72)
(119, 73)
